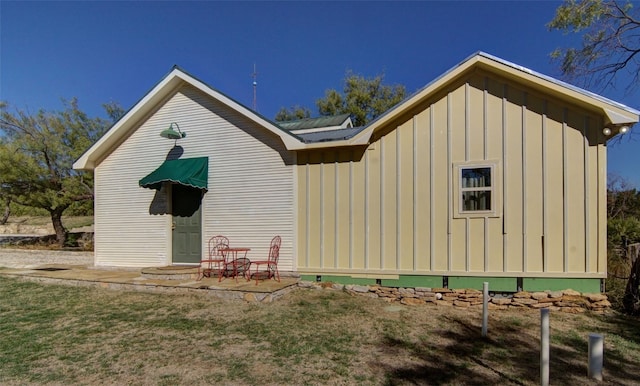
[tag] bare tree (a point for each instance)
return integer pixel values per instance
(610, 42)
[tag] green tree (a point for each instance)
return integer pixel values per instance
(610, 45)
(114, 111)
(610, 41)
(364, 98)
(623, 230)
(5, 207)
(36, 157)
(292, 114)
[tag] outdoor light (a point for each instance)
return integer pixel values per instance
(171, 133)
(606, 131)
(624, 129)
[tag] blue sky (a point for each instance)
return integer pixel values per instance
(117, 50)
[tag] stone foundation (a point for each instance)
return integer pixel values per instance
(565, 301)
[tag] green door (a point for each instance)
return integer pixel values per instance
(187, 226)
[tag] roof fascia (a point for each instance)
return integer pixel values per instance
(320, 145)
(616, 113)
(287, 138)
(363, 137)
(90, 157)
(169, 84)
(316, 130)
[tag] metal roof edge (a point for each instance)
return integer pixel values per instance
(274, 127)
(360, 137)
(417, 93)
(559, 82)
(162, 87)
(468, 62)
(84, 162)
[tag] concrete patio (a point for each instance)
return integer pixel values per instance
(168, 279)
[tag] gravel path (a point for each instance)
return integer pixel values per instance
(21, 258)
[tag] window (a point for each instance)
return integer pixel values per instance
(475, 186)
(476, 189)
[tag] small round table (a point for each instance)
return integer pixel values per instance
(236, 265)
(239, 266)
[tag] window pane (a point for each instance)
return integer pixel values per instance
(476, 200)
(476, 177)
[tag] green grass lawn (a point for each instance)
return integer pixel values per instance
(51, 334)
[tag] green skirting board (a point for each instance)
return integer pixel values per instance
(496, 284)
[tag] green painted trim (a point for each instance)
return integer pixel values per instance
(414, 281)
(339, 279)
(543, 284)
(348, 280)
(501, 284)
(496, 284)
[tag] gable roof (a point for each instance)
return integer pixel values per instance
(169, 84)
(616, 114)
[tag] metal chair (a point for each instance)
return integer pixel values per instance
(216, 260)
(271, 263)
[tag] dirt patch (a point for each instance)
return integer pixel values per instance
(25, 258)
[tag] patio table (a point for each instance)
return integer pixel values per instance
(237, 262)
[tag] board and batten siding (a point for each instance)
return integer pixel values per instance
(250, 197)
(388, 208)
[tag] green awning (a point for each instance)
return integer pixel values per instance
(193, 172)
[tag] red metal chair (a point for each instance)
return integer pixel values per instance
(271, 263)
(216, 260)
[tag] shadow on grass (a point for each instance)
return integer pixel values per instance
(622, 345)
(458, 354)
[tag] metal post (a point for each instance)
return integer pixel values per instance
(544, 346)
(485, 308)
(596, 356)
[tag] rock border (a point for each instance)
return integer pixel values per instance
(568, 300)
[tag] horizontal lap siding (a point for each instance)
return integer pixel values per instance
(250, 197)
(126, 234)
(387, 209)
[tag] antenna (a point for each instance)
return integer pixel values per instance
(255, 86)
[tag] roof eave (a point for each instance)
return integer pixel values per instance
(90, 157)
(361, 141)
(415, 98)
(287, 138)
(618, 119)
(165, 88)
(614, 113)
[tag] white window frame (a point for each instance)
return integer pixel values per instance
(495, 190)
